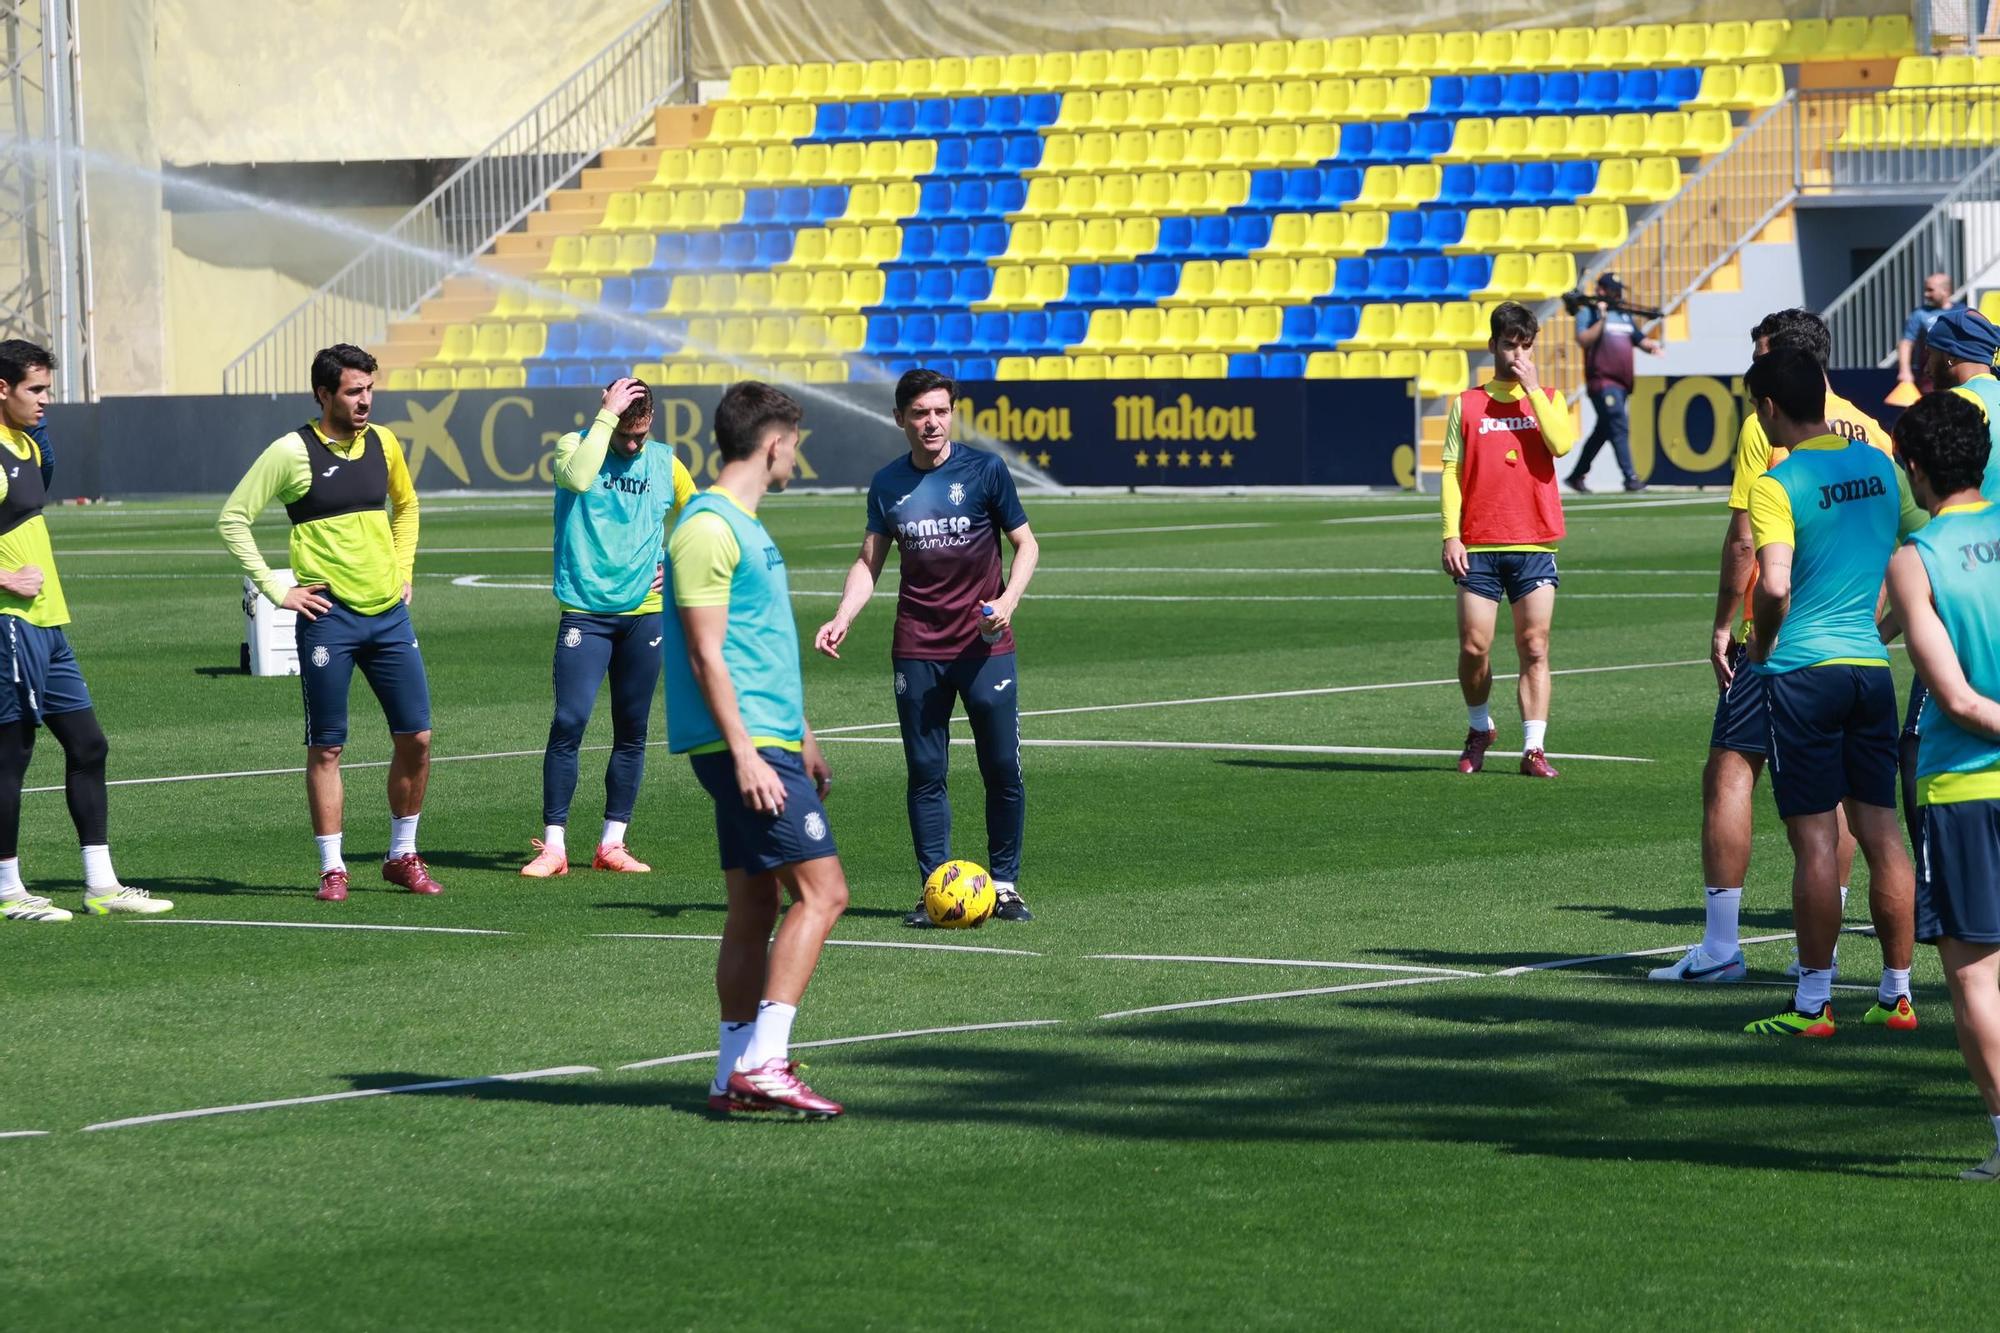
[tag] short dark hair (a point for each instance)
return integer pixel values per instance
(1609, 284)
(18, 356)
(1796, 328)
(1793, 378)
(1946, 436)
(916, 383)
(329, 362)
(1511, 319)
(748, 409)
(642, 406)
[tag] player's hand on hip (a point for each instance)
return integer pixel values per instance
(759, 783)
(1719, 653)
(831, 635)
(817, 768)
(659, 577)
(1456, 562)
(307, 601)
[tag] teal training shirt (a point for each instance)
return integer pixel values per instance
(1986, 389)
(1838, 504)
(609, 538)
(761, 647)
(1960, 549)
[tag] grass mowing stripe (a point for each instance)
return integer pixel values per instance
(852, 944)
(1655, 953)
(1280, 962)
(855, 1041)
(1233, 746)
(1289, 995)
(436, 1085)
(320, 925)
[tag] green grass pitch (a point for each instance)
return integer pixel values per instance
(1565, 1146)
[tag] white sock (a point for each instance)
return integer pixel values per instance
(403, 835)
(614, 833)
(1895, 982)
(772, 1036)
(1843, 903)
(1478, 717)
(10, 879)
(329, 852)
(97, 871)
(1719, 938)
(732, 1040)
(1815, 990)
(1533, 733)
(552, 839)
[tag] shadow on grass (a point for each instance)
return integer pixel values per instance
(1531, 1075)
(222, 671)
(1777, 917)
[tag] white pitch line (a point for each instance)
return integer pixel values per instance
(851, 944)
(23, 1133)
(1053, 744)
(436, 1086)
(320, 925)
(1280, 962)
(1291, 994)
(1286, 694)
(1659, 952)
(852, 1041)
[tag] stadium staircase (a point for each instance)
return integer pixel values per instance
(1320, 208)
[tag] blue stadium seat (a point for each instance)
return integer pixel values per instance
(1246, 366)
(933, 118)
(1030, 332)
(1304, 187)
(899, 289)
(1575, 179)
(761, 206)
(649, 292)
(1536, 183)
(1521, 94)
(954, 242)
(984, 156)
(1600, 92)
(1177, 234)
(1447, 95)
(884, 334)
(976, 368)
(542, 375)
(1357, 141)
(955, 329)
(971, 199)
(1561, 92)
(830, 121)
(968, 115)
(1009, 194)
(920, 333)
(864, 121)
(1086, 283)
(670, 251)
(1639, 90)
(1496, 185)
(1038, 110)
(704, 251)
(1024, 151)
(943, 365)
(1211, 235)
(594, 340)
(1406, 232)
(576, 375)
(934, 287)
(1430, 279)
(974, 284)
(1389, 278)
(1284, 366)
(1121, 284)
(954, 156)
(934, 199)
(616, 294)
(899, 121)
(1470, 273)
(1300, 327)
(1458, 184)
(794, 204)
(1267, 189)
(919, 243)
(1350, 278)
(1249, 231)
(991, 331)
(1337, 323)
(901, 365)
(1004, 113)
(739, 248)
(1158, 278)
(828, 202)
(1342, 184)
(1678, 86)
(561, 344)
(1442, 227)
(1068, 327)
(1483, 93)
(989, 240)
(774, 246)
(1394, 142)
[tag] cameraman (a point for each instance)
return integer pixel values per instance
(1607, 334)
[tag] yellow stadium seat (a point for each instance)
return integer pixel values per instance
(1093, 68)
(1291, 234)
(507, 377)
(1383, 55)
(1106, 329)
(1402, 364)
(1083, 194)
(1457, 325)
(900, 200)
(827, 370)
(1061, 152)
(1122, 150)
(814, 79)
(745, 83)
(1138, 236)
(790, 371)
(849, 161)
(1015, 368)
(740, 163)
(1274, 280)
(1200, 63)
(1100, 239)
(718, 292)
(1988, 70)
(1470, 139)
(1718, 86)
(1236, 61)
(1128, 66)
(731, 120)
(1313, 276)
(1629, 132)
(1420, 184)
(403, 379)
(1846, 38)
(881, 79)
(1767, 38)
(1261, 324)
(1145, 328)
(1913, 74)
(1154, 194)
(675, 168)
(1167, 366)
(1090, 367)
(1260, 102)
(1523, 228)
(436, 379)
(1220, 103)
(1344, 55)
(811, 336)
(1421, 55)
(566, 255)
(812, 164)
(882, 244)
(1078, 112)
(1209, 144)
(1588, 136)
(1272, 60)
(1051, 368)
(1947, 124)
(1167, 149)
(488, 343)
(1409, 96)
(1362, 366)
(1611, 48)
(1417, 323)
(1889, 35)
(1208, 366)
(1308, 58)
(1325, 365)
(1055, 70)
(917, 77)
(1492, 49)
(1554, 274)
(1956, 71)
(1295, 100)
(1366, 99)
(1445, 373)
(1235, 280)
(1027, 241)
(809, 248)
(1330, 235)
(1368, 230)
(1460, 51)
(1989, 303)
(1659, 179)
(1162, 64)
(1727, 42)
(1572, 48)
(865, 287)
(1378, 325)
(773, 335)
(579, 292)
(793, 290)
(1113, 109)
(848, 333)
(723, 372)
(708, 166)
(600, 255)
(1688, 44)
(1510, 138)
(1128, 366)
(1535, 48)
(1048, 283)
(1379, 185)
(1605, 227)
(1651, 43)
(1512, 276)
(509, 303)
(681, 372)
(1563, 228)
(1044, 197)
(780, 81)
(1804, 40)
(1317, 142)
(1708, 133)
(988, 75)
(826, 291)
(777, 163)
(757, 291)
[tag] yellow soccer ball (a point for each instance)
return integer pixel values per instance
(959, 894)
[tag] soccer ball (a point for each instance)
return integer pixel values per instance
(959, 894)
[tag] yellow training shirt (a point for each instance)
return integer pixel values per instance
(28, 544)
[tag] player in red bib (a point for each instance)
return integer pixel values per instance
(1502, 520)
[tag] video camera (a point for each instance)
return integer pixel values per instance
(1612, 293)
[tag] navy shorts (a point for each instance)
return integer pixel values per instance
(1913, 715)
(42, 672)
(1742, 716)
(384, 646)
(1832, 737)
(759, 843)
(1509, 574)
(1958, 872)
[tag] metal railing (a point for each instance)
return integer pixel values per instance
(1961, 236)
(602, 105)
(1895, 140)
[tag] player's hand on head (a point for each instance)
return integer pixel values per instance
(307, 601)
(758, 781)
(621, 395)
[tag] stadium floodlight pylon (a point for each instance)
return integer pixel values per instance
(45, 282)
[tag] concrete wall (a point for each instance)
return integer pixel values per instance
(1836, 244)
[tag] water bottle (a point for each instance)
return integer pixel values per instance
(988, 634)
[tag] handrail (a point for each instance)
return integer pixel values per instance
(602, 105)
(1961, 234)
